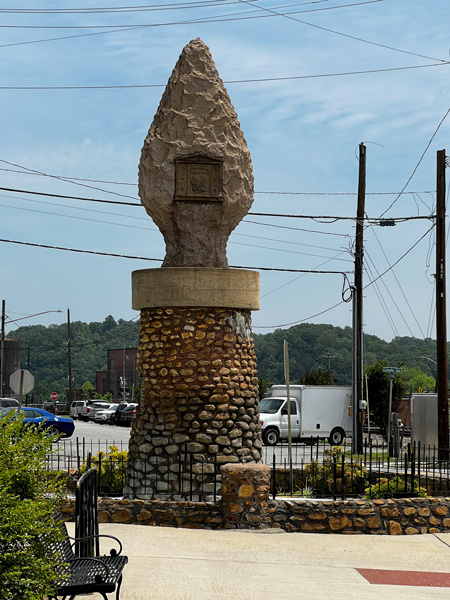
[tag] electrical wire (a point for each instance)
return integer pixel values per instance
(358, 39)
(299, 276)
(418, 164)
(340, 303)
(373, 277)
(97, 253)
(219, 18)
(300, 320)
(142, 8)
(230, 82)
(319, 218)
(401, 258)
(381, 300)
(401, 290)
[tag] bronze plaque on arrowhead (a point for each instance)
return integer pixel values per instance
(198, 179)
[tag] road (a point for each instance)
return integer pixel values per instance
(92, 437)
(89, 437)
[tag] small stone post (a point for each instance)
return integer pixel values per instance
(199, 388)
(245, 495)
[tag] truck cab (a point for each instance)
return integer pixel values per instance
(273, 414)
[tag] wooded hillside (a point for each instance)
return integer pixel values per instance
(310, 347)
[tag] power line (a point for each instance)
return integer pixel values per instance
(219, 18)
(234, 81)
(142, 8)
(381, 299)
(81, 251)
(339, 303)
(401, 289)
(401, 258)
(59, 178)
(300, 276)
(146, 219)
(299, 321)
(352, 37)
(418, 164)
(257, 214)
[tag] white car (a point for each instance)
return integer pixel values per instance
(106, 415)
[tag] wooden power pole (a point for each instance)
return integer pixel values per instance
(69, 356)
(441, 312)
(357, 443)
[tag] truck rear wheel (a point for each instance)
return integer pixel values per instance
(336, 437)
(271, 437)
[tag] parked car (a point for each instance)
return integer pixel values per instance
(75, 408)
(4, 402)
(95, 407)
(88, 411)
(106, 415)
(117, 414)
(57, 426)
(128, 414)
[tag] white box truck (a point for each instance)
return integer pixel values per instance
(317, 411)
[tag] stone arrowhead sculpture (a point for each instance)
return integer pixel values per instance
(195, 174)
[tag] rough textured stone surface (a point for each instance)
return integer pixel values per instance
(245, 495)
(339, 516)
(199, 401)
(195, 117)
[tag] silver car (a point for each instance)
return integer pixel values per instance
(106, 415)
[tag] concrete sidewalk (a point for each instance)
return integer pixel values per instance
(185, 564)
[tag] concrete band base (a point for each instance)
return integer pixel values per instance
(195, 286)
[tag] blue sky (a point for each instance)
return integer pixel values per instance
(294, 72)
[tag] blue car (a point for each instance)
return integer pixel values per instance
(57, 426)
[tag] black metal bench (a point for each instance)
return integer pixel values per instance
(83, 570)
(84, 575)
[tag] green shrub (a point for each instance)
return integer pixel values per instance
(386, 488)
(336, 474)
(28, 499)
(111, 467)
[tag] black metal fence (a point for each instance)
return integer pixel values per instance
(323, 471)
(315, 470)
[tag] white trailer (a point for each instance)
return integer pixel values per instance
(317, 411)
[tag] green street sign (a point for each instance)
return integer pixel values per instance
(392, 370)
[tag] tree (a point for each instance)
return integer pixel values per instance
(317, 377)
(416, 380)
(264, 385)
(29, 495)
(378, 384)
(87, 390)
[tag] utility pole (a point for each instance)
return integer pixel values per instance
(357, 439)
(441, 312)
(2, 349)
(69, 354)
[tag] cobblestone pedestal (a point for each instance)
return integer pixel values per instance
(245, 495)
(199, 399)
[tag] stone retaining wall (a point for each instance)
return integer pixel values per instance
(408, 516)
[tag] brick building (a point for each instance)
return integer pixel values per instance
(121, 364)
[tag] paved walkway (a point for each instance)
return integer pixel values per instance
(185, 564)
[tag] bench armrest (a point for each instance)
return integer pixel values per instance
(113, 551)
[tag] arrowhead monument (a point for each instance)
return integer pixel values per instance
(199, 387)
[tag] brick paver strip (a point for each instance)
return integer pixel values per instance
(417, 578)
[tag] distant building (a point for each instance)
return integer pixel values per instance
(121, 365)
(11, 353)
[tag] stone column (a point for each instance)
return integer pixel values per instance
(199, 399)
(245, 495)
